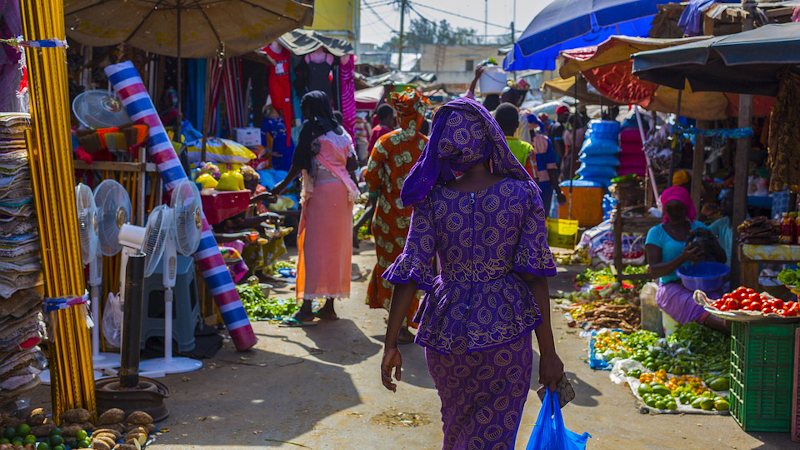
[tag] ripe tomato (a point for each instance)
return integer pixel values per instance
(749, 291)
(780, 312)
(766, 310)
(756, 306)
(755, 296)
(734, 304)
(777, 304)
(746, 302)
(792, 312)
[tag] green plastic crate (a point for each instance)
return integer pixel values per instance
(762, 372)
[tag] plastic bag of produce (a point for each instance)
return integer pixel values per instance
(550, 433)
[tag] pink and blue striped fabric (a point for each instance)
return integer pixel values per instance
(347, 87)
(129, 87)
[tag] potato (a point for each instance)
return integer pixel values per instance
(13, 422)
(71, 429)
(79, 415)
(106, 439)
(139, 418)
(125, 447)
(36, 417)
(151, 428)
(118, 427)
(138, 434)
(43, 430)
(114, 433)
(88, 426)
(100, 445)
(112, 416)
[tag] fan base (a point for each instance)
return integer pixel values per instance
(171, 365)
(106, 361)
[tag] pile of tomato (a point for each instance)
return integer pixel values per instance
(746, 299)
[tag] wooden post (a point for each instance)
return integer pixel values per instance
(741, 160)
(698, 165)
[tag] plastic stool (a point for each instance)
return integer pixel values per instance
(186, 307)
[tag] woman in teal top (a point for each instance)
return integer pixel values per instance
(667, 251)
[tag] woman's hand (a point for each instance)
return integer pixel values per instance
(692, 253)
(551, 369)
(391, 360)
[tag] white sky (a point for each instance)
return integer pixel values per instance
(379, 18)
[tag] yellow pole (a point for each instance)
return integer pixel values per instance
(50, 154)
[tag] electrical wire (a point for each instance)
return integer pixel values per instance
(458, 15)
(371, 8)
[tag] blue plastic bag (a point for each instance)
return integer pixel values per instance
(550, 432)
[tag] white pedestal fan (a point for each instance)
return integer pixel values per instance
(183, 222)
(88, 228)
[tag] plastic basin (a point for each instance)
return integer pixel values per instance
(704, 276)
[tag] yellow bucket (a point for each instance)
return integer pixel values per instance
(562, 233)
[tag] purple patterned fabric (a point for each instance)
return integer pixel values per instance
(484, 240)
(463, 134)
(482, 394)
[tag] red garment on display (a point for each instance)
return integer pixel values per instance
(280, 87)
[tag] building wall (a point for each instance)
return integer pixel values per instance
(454, 65)
(338, 18)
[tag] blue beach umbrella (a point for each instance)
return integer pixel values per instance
(569, 24)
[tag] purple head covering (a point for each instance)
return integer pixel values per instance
(463, 134)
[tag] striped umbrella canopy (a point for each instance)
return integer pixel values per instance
(207, 28)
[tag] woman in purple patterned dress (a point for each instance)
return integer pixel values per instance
(487, 230)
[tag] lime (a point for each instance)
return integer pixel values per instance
(43, 446)
(4, 441)
(59, 447)
(72, 443)
(56, 431)
(9, 433)
(23, 430)
(84, 443)
(29, 439)
(81, 435)
(16, 441)
(56, 440)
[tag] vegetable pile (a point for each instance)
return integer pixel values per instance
(259, 307)
(746, 299)
(601, 302)
(789, 277)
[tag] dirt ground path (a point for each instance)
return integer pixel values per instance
(319, 388)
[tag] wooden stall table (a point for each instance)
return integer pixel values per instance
(750, 256)
(622, 224)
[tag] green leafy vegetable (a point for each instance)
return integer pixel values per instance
(789, 277)
(259, 307)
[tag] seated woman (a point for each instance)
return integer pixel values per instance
(667, 251)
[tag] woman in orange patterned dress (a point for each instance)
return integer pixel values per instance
(389, 164)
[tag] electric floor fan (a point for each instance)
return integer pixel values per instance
(91, 255)
(183, 220)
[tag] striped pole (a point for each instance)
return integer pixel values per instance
(131, 90)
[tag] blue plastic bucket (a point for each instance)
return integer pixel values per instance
(704, 276)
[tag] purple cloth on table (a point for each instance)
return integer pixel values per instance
(483, 240)
(691, 20)
(482, 394)
(678, 302)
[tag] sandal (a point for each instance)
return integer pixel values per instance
(324, 315)
(291, 322)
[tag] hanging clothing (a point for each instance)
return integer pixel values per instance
(477, 310)
(276, 129)
(362, 136)
(347, 83)
(390, 162)
(280, 87)
(319, 76)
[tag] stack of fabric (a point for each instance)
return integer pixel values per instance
(598, 157)
(20, 265)
(631, 158)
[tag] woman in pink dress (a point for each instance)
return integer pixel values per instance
(326, 158)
